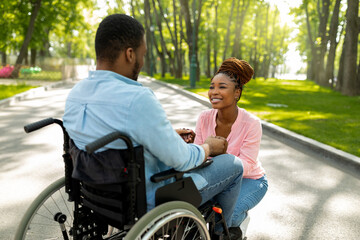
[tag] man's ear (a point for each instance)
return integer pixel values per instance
(130, 55)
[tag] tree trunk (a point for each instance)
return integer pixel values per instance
(264, 67)
(33, 57)
(189, 30)
(161, 55)
(178, 70)
(333, 44)
(181, 52)
(147, 36)
(172, 59)
(132, 8)
(240, 16)
(3, 58)
(215, 38)
(68, 51)
(34, 12)
(255, 58)
(26, 58)
(311, 74)
(197, 24)
(323, 17)
(162, 41)
(309, 70)
(351, 46)
(271, 44)
(208, 48)
(340, 77)
(227, 38)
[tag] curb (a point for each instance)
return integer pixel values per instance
(325, 152)
(32, 92)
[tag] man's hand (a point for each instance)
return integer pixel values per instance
(217, 145)
(187, 134)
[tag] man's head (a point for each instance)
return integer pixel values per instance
(120, 45)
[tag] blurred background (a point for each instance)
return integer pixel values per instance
(288, 39)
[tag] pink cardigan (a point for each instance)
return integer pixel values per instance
(244, 138)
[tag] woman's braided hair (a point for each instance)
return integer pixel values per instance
(239, 71)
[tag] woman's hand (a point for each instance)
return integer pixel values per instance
(217, 145)
(187, 135)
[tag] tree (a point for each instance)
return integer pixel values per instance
(322, 38)
(350, 85)
(216, 5)
(177, 43)
(323, 11)
(240, 16)
(189, 29)
(227, 38)
(34, 12)
(318, 44)
(162, 40)
(148, 36)
(329, 72)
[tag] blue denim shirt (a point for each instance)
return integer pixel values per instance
(106, 102)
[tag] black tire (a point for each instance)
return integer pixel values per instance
(171, 220)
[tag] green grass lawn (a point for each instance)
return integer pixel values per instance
(42, 76)
(300, 106)
(7, 91)
(20, 85)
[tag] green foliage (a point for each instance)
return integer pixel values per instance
(7, 91)
(74, 36)
(302, 107)
(58, 23)
(302, 38)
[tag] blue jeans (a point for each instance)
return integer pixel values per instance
(251, 193)
(224, 178)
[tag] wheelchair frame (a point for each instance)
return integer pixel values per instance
(85, 223)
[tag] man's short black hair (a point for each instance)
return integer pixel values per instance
(116, 33)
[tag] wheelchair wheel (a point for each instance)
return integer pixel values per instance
(171, 220)
(38, 221)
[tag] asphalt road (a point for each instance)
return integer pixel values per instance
(307, 198)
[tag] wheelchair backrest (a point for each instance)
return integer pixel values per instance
(105, 184)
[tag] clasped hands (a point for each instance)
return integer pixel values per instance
(217, 144)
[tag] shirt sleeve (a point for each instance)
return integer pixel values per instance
(198, 130)
(249, 149)
(150, 127)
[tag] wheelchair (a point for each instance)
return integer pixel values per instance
(75, 209)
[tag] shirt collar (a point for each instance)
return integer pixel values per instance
(101, 74)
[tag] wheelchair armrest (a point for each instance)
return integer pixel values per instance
(161, 176)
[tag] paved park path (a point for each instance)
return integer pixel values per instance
(307, 198)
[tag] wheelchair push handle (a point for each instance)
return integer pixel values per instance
(101, 142)
(39, 124)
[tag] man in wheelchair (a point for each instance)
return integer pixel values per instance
(111, 99)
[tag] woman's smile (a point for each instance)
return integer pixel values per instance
(215, 100)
